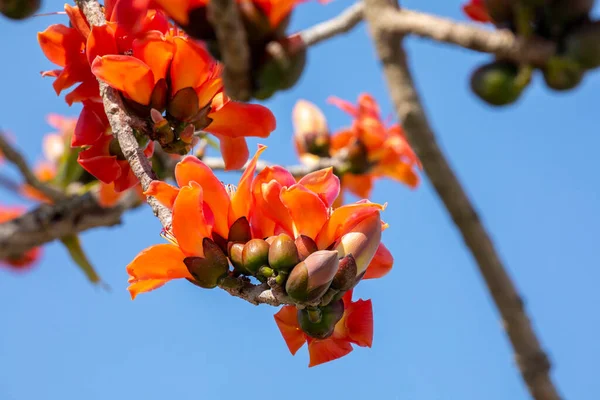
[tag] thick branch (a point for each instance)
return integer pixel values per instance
(122, 124)
(343, 23)
(12, 155)
(233, 45)
(49, 222)
(531, 359)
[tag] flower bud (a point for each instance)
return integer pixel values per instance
(561, 73)
(306, 246)
(496, 83)
(162, 129)
(361, 242)
(311, 278)
(187, 134)
(184, 104)
(240, 231)
(265, 271)
(283, 254)
(346, 275)
(209, 269)
(19, 9)
(235, 255)
(324, 326)
(311, 134)
(255, 255)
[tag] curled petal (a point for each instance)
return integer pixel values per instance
(126, 74)
(60, 44)
(154, 266)
(307, 210)
(100, 42)
(242, 198)
(272, 206)
(155, 51)
(287, 322)
(163, 192)
(343, 219)
(234, 119)
(324, 183)
(91, 126)
(381, 264)
(102, 166)
(234, 152)
(87, 90)
(190, 226)
(77, 20)
(187, 53)
(322, 351)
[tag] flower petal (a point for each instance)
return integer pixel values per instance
(287, 322)
(91, 126)
(188, 52)
(343, 219)
(233, 119)
(241, 200)
(234, 152)
(307, 210)
(101, 42)
(344, 105)
(77, 20)
(60, 43)
(381, 263)
(191, 169)
(322, 351)
(324, 183)
(154, 266)
(126, 74)
(359, 185)
(358, 320)
(155, 51)
(163, 192)
(87, 90)
(189, 223)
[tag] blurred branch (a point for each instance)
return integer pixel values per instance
(233, 45)
(343, 23)
(49, 222)
(531, 359)
(123, 124)
(12, 155)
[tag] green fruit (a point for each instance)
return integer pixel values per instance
(283, 254)
(255, 255)
(19, 9)
(496, 83)
(563, 74)
(323, 326)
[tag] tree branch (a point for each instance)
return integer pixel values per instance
(531, 359)
(231, 35)
(343, 23)
(123, 124)
(12, 155)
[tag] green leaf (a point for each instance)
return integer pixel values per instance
(77, 254)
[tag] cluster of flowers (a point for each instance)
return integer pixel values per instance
(568, 23)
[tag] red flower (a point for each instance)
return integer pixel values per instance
(355, 327)
(475, 9)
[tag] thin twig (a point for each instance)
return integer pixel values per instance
(233, 45)
(343, 23)
(122, 123)
(13, 155)
(531, 359)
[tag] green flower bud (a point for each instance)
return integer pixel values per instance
(306, 246)
(235, 255)
(323, 327)
(255, 255)
(281, 278)
(19, 9)
(562, 74)
(496, 84)
(209, 269)
(345, 277)
(240, 231)
(283, 254)
(311, 278)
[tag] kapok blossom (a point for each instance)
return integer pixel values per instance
(31, 256)
(476, 10)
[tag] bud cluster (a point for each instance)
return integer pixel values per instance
(565, 22)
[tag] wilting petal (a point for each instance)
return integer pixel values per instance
(324, 183)
(358, 322)
(155, 51)
(307, 210)
(101, 42)
(191, 169)
(154, 266)
(287, 322)
(163, 192)
(381, 263)
(322, 351)
(344, 218)
(359, 185)
(189, 223)
(189, 53)
(126, 74)
(242, 198)
(233, 119)
(234, 152)
(60, 43)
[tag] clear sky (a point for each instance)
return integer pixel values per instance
(532, 172)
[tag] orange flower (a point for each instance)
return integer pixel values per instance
(475, 9)
(271, 203)
(32, 256)
(355, 327)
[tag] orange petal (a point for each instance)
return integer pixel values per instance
(381, 263)
(322, 351)
(324, 183)
(155, 51)
(59, 43)
(272, 206)
(234, 152)
(242, 198)
(360, 185)
(307, 210)
(344, 105)
(344, 218)
(233, 119)
(287, 322)
(130, 14)
(342, 139)
(126, 74)
(77, 20)
(399, 171)
(101, 42)
(189, 222)
(107, 196)
(163, 192)
(189, 53)
(358, 320)
(277, 11)
(191, 169)
(178, 9)
(154, 266)
(208, 90)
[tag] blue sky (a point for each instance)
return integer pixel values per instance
(530, 168)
